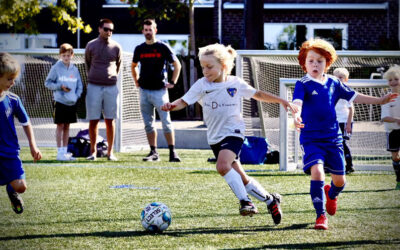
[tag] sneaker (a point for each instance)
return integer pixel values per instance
(16, 202)
(62, 157)
(247, 208)
(331, 205)
(173, 157)
(275, 208)
(398, 186)
(112, 158)
(152, 156)
(322, 222)
(91, 158)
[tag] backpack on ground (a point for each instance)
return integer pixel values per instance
(79, 145)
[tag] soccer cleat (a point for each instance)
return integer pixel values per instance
(173, 157)
(398, 186)
(331, 205)
(350, 170)
(247, 208)
(275, 208)
(322, 222)
(152, 156)
(16, 202)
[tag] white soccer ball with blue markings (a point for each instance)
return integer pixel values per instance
(156, 217)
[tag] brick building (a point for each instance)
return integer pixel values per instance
(352, 24)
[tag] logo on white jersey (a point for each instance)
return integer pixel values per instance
(314, 93)
(231, 91)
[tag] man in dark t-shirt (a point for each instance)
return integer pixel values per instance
(154, 57)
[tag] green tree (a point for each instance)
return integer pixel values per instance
(19, 16)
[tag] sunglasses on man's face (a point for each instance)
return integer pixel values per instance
(107, 29)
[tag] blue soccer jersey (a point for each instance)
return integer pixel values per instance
(318, 106)
(10, 107)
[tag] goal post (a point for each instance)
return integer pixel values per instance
(38, 100)
(264, 69)
(368, 141)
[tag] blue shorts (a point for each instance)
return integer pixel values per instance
(10, 170)
(151, 100)
(231, 143)
(101, 98)
(329, 154)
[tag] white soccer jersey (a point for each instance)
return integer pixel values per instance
(391, 109)
(222, 105)
(342, 110)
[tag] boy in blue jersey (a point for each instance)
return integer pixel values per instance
(11, 172)
(316, 95)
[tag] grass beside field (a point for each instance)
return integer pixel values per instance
(72, 206)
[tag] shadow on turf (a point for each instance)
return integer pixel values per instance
(175, 233)
(336, 244)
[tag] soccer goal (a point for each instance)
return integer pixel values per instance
(38, 100)
(265, 70)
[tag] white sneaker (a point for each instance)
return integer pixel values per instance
(62, 157)
(69, 155)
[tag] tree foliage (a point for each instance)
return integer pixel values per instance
(19, 15)
(158, 9)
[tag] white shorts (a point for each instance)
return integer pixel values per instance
(101, 98)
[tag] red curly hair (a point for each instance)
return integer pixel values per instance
(319, 46)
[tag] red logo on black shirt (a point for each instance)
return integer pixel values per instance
(150, 55)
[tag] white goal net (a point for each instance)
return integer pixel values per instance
(277, 71)
(38, 100)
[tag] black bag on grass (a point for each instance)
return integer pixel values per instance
(79, 145)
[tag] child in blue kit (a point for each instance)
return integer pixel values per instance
(316, 95)
(11, 172)
(221, 97)
(64, 79)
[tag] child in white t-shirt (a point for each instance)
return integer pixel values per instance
(391, 118)
(345, 113)
(221, 97)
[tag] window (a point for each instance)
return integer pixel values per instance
(290, 36)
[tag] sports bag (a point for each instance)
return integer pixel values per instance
(79, 145)
(254, 150)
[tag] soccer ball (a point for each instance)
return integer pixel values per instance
(156, 217)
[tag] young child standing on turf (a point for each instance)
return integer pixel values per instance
(64, 79)
(344, 113)
(316, 95)
(220, 95)
(11, 172)
(391, 118)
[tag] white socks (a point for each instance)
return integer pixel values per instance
(235, 183)
(62, 150)
(255, 189)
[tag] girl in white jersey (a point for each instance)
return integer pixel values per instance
(220, 95)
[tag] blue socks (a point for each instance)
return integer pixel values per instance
(10, 189)
(335, 191)
(317, 196)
